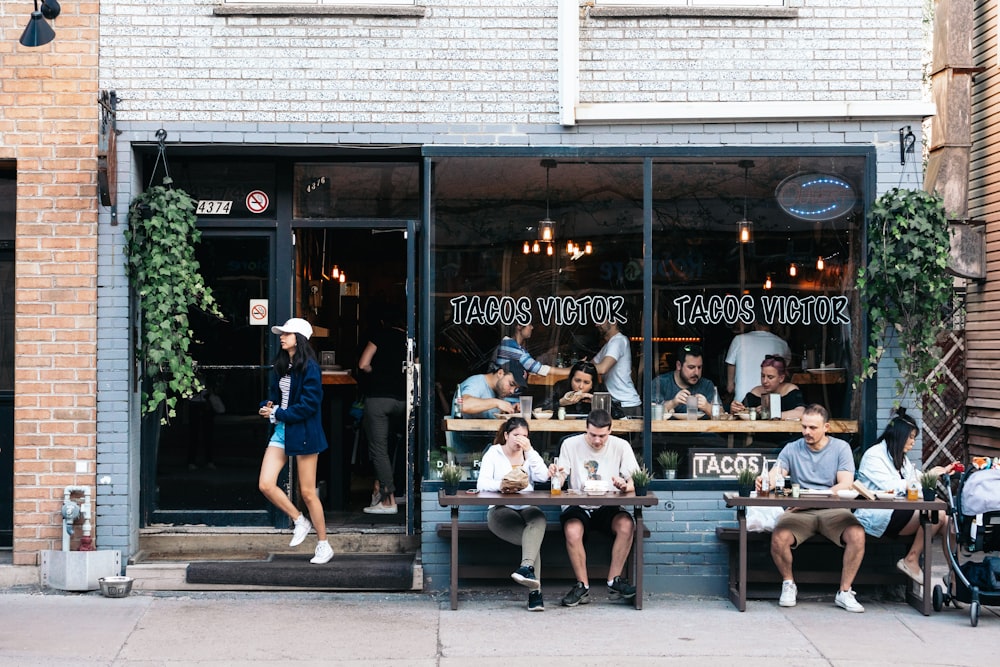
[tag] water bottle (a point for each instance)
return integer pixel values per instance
(779, 483)
(456, 403)
(716, 406)
(557, 480)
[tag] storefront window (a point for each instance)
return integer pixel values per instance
(791, 281)
(356, 190)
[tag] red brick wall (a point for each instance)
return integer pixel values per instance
(49, 123)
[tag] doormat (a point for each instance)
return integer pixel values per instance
(361, 572)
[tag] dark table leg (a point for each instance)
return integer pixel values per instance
(738, 589)
(454, 557)
(922, 603)
(637, 555)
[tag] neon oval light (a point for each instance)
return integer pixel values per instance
(815, 196)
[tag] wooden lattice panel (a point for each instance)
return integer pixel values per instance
(944, 438)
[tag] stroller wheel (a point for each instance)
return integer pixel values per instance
(974, 613)
(938, 599)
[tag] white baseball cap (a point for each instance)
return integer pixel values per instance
(294, 325)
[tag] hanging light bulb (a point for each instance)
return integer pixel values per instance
(745, 226)
(545, 230)
(549, 250)
(767, 282)
(588, 249)
(527, 248)
(336, 272)
(343, 277)
(793, 270)
(536, 248)
(820, 264)
(570, 248)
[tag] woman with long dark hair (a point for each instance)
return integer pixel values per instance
(885, 467)
(577, 391)
(517, 524)
(293, 405)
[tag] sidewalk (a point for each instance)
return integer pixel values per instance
(490, 628)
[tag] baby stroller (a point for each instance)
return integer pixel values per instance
(975, 514)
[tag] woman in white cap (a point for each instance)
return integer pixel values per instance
(293, 406)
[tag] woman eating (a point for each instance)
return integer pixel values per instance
(517, 524)
(773, 380)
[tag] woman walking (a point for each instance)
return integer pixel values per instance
(293, 406)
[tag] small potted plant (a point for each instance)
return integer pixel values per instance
(640, 479)
(747, 479)
(451, 475)
(668, 459)
(929, 483)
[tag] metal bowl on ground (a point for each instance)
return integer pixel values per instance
(115, 587)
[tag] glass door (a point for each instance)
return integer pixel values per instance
(203, 466)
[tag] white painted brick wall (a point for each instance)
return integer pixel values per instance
(482, 62)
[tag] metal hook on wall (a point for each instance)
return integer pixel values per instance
(161, 156)
(907, 141)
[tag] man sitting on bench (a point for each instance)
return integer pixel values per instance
(817, 461)
(597, 460)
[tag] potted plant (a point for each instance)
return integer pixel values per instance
(928, 481)
(640, 479)
(451, 475)
(668, 459)
(746, 479)
(163, 271)
(907, 288)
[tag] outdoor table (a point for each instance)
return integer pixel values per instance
(543, 499)
(738, 588)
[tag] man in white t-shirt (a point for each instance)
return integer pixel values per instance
(614, 363)
(597, 459)
(745, 355)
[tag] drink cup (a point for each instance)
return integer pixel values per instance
(657, 411)
(795, 490)
(526, 407)
(692, 406)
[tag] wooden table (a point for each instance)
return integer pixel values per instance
(738, 588)
(658, 426)
(543, 499)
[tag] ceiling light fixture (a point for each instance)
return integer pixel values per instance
(38, 32)
(745, 226)
(793, 270)
(767, 282)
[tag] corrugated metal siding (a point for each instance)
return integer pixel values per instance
(983, 319)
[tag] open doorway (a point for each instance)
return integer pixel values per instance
(350, 283)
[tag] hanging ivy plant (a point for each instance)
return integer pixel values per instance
(162, 269)
(906, 287)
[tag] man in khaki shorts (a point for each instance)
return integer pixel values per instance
(817, 461)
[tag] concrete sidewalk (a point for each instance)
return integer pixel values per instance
(489, 628)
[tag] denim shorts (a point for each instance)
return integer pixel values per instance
(278, 437)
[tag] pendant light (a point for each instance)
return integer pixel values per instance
(745, 226)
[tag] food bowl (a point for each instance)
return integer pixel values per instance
(745, 416)
(885, 495)
(542, 414)
(847, 494)
(115, 587)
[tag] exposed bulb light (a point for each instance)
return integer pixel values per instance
(546, 230)
(820, 264)
(343, 277)
(745, 227)
(570, 248)
(536, 248)
(336, 272)
(767, 282)
(588, 249)
(793, 270)
(548, 250)
(527, 248)
(745, 231)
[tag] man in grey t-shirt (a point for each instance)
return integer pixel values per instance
(817, 461)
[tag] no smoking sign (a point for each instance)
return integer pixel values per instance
(258, 312)
(257, 201)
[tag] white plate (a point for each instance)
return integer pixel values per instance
(575, 416)
(823, 370)
(885, 495)
(538, 414)
(683, 415)
(745, 416)
(597, 493)
(847, 494)
(815, 492)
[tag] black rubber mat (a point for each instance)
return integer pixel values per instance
(365, 572)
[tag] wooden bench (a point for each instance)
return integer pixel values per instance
(598, 557)
(808, 568)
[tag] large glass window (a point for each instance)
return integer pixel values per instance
(551, 253)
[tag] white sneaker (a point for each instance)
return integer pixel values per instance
(789, 591)
(381, 509)
(300, 530)
(845, 600)
(324, 552)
